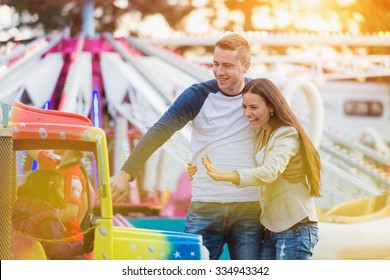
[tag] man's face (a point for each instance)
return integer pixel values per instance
(229, 71)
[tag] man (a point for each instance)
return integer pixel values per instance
(219, 211)
(76, 198)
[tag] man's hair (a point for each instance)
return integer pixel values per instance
(235, 42)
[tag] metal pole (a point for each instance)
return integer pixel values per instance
(88, 26)
(7, 190)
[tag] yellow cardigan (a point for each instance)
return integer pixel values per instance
(284, 204)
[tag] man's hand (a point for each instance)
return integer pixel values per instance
(191, 170)
(119, 185)
(294, 171)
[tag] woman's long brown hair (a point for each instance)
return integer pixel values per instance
(284, 116)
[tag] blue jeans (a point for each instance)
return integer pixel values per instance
(236, 224)
(295, 243)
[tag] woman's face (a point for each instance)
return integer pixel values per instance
(256, 110)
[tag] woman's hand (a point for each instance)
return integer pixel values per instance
(218, 175)
(191, 170)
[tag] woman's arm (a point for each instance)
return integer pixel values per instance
(283, 145)
(219, 175)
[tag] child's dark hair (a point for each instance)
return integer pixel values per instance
(41, 183)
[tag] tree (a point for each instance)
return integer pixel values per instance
(57, 14)
(374, 15)
(52, 15)
(369, 13)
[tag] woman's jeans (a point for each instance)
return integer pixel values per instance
(235, 223)
(296, 243)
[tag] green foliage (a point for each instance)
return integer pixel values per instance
(54, 15)
(57, 14)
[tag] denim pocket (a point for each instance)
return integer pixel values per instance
(313, 233)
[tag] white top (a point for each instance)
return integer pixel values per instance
(222, 131)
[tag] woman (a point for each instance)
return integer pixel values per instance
(35, 214)
(288, 209)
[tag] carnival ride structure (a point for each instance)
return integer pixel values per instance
(123, 85)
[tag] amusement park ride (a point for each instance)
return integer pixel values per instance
(103, 93)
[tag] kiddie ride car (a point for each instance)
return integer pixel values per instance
(38, 129)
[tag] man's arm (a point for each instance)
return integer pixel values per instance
(184, 109)
(154, 138)
(294, 171)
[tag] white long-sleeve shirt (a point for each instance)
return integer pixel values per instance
(220, 130)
